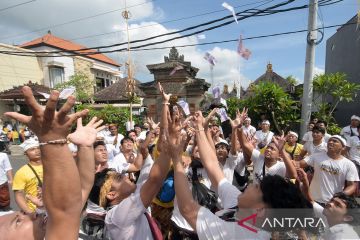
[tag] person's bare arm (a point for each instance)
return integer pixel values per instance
(62, 188)
(84, 137)
(290, 168)
(9, 176)
(21, 201)
(161, 167)
(188, 207)
(350, 187)
(245, 144)
(207, 154)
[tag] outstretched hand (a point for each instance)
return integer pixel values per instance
(166, 97)
(47, 123)
(86, 135)
(280, 141)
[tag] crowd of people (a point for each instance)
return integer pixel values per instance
(179, 178)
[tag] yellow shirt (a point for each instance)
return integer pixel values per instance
(26, 181)
(290, 149)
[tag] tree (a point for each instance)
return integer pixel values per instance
(83, 84)
(270, 99)
(109, 114)
(330, 90)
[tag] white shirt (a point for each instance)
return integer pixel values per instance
(4, 167)
(250, 130)
(209, 226)
(230, 164)
(109, 139)
(119, 163)
(112, 151)
(354, 144)
(329, 175)
(264, 136)
(127, 219)
(346, 132)
(176, 217)
(340, 231)
(258, 159)
(310, 148)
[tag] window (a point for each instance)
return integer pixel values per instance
(56, 76)
(100, 84)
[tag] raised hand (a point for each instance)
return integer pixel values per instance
(280, 141)
(86, 135)
(237, 121)
(208, 118)
(199, 120)
(47, 123)
(166, 97)
(152, 124)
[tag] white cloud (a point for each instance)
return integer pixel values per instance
(318, 70)
(31, 17)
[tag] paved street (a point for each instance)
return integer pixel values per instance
(17, 159)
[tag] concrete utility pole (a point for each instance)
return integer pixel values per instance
(309, 67)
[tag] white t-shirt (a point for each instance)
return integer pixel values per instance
(250, 130)
(230, 164)
(127, 219)
(329, 175)
(310, 148)
(346, 132)
(112, 151)
(119, 163)
(209, 226)
(4, 167)
(109, 139)
(176, 217)
(258, 159)
(264, 136)
(354, 144)
(340, 231)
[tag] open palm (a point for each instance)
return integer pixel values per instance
(86, 135)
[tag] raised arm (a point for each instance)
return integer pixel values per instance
(161, 167)
(207, 153)
(62, 188)
(290, 168)
(84, 137)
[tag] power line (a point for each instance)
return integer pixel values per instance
(16, 5)
(75, 20)
(189, 45)
(194, 33)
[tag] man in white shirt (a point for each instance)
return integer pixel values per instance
(115, 137)
(317, 143)
(6, 178)
(332, 172)
(351, 130)
(338, 214)
(255, 198)
(264, 135)
(248, 128)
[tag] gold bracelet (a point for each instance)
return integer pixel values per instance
(57, 141)
(166, 103)
(200, 129)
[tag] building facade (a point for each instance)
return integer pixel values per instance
(343, 55)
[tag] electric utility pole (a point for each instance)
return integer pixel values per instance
(309, 66)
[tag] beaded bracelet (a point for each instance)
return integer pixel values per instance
(58, 141)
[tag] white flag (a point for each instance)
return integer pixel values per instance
(223, 115)
(185, 106)
(231, 9)
(67, 92)
(223, 102)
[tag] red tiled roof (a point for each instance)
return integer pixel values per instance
(53, 41)
(16, 92)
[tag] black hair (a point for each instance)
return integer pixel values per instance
(280, 193)
(322, 121)
(319, 129)
(358, 127)
(99, 181)
(352, 205)
(137, 125)
(128, 132)
(126, 138)
(98, 143)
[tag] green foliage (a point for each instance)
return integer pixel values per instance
(332, 89)
(270, 99)
(291, 80)
(109, 114)
(83, 85)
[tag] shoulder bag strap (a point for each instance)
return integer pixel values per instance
(37, 176)
(293, 151)
(263, 170)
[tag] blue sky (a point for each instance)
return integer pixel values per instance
(286, 53)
